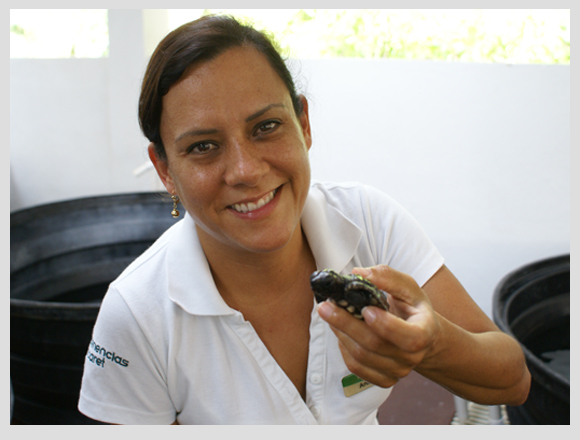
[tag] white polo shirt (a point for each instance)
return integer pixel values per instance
(166, 346)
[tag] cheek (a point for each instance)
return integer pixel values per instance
(301, 162)
(195, 188)
(292, 155)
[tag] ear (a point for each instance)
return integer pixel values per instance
(162, 169)
(305, 122)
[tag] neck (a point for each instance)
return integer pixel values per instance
(247, 278)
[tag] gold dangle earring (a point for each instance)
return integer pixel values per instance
(175, 212)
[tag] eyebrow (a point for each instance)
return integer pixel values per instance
(196, 132)
(261, 112)
(202, 131)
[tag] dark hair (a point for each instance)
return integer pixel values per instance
(197, 41)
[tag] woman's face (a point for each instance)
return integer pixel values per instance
(237, 154)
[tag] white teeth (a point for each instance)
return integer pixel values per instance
(249, 207)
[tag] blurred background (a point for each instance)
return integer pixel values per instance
(463, 116)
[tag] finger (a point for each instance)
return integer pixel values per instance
(340, 319)
(364, 351)
(382, 337)
(383, 357)
(342, 322)
(385, 372)
(398, 284)
(411, 336)
(378, 328)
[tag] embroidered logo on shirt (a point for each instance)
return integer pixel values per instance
(99, 355)
(352, 384)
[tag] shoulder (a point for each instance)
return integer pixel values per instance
(345, 191)
(140, 291)
(146, 270)
(338, 190)
(357, 201)
(390, 234)
(136, 313)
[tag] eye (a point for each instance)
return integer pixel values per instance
(266, 127)
(202, 147)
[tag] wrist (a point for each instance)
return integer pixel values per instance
(441, 348)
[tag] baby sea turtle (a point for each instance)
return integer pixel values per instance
(351, 292)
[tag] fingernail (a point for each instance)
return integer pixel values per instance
(325, 309)
(369, 315)
(363, 271)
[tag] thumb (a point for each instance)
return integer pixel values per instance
(398, 284)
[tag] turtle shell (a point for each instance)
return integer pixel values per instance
(351, 292)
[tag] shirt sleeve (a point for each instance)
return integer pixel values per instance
(399, 240)
(124, 380)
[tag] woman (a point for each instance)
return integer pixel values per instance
(216, 323)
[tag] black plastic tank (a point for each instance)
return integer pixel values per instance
(532, 304)
(62, 258)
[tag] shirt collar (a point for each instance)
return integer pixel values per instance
(191, 285)
(333, 239)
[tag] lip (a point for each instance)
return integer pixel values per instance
(259, 212)
(253, 199)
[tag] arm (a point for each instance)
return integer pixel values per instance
(439, 331)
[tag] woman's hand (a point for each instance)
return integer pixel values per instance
(436, 329)
(386, 346)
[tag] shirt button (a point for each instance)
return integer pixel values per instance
(315, 411)
(316, 379)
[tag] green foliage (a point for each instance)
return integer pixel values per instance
(17, 30)
(477, 35)
(58, 33)
(508, 36)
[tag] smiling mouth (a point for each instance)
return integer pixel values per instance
(249, 207)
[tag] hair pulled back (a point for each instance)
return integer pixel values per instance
(198, 41)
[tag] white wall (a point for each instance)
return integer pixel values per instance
(73, 125)
(480, 154)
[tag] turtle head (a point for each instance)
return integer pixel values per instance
(327, 283)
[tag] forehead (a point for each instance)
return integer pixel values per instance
(237, 77)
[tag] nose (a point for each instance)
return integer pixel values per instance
(245, 164)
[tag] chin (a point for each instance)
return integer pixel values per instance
(270, 242)
(259, 241)
(265, 247)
